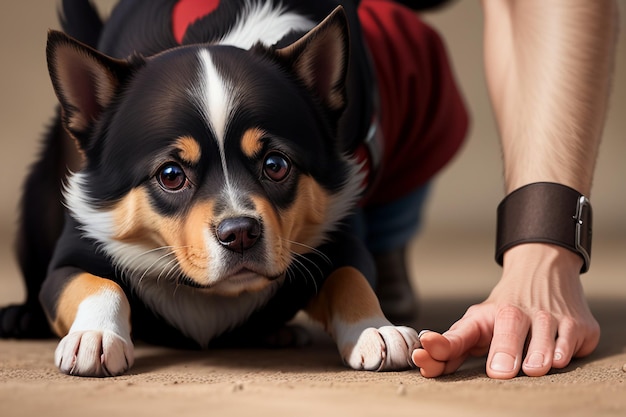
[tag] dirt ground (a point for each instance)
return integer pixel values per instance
(312, 381)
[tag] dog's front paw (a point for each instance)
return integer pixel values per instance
(94, 353)
(386, 348)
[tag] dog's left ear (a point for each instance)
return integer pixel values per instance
(85, 82)
(320, 59)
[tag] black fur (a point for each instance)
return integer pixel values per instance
(38, 232)
(80, 20)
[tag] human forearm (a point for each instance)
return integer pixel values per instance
(548, 67)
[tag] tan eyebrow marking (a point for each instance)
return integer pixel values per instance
(251, 143)
(189, 149)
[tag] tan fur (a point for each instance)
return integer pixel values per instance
(137, 222)
(294, 230)
(188, 149)
(131, 216)
(251, 143)
(299, 226)
(192, 253)
(346, 296)
(78, 289)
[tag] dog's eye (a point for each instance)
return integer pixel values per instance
(276, 166)
(171, 177)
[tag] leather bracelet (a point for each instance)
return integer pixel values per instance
(545, 212)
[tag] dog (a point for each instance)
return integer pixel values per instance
(213, 153)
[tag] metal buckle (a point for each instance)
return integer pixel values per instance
(580, 206)
(373, 143)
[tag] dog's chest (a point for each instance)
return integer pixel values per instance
(198, 315)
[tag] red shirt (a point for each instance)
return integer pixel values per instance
(423, 117)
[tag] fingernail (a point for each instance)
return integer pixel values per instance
(503, 362)
(535, 360)
(422, 333)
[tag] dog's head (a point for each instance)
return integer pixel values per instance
(208, 164)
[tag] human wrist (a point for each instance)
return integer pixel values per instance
(545, 212)
(532, 259)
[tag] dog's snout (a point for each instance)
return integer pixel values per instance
(238, 233)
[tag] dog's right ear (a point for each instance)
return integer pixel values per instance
(320, 59)
(85, 82)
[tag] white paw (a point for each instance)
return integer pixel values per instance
(386, 348)
(94, 353)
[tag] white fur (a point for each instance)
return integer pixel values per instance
(264, 22)
(98, 343)
(213, 95)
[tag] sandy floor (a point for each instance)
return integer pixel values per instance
(312, 381)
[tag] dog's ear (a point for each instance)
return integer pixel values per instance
(320, 59)
(85, 82)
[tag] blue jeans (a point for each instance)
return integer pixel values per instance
(391, 226)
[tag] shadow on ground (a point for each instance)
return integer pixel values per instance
(320, 356)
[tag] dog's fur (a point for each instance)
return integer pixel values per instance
(208, 187)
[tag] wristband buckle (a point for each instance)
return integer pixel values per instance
(582, 204)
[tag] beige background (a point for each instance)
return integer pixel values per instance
(452, 265)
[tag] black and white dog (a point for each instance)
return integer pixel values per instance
(211, 151)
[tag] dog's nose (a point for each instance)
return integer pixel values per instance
(238, 233)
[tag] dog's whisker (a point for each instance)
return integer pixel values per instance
(312, 262)
(310, 248)
(151, 266)
(171, 266)
(298, 265)
(171, 251)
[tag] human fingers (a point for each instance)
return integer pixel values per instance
(437, 346)
(463, 337)
(509, 335)
(429, 367)
(539, 356)
(574, 341)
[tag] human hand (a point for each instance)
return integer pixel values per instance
(538, 307)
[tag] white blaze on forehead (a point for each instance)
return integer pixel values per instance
(264, 22)
(213, 95)
(216, 99)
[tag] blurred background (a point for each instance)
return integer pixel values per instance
(455, 249)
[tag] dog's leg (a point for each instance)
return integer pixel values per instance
(92, 314)
(349, 310)
(40, 224)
